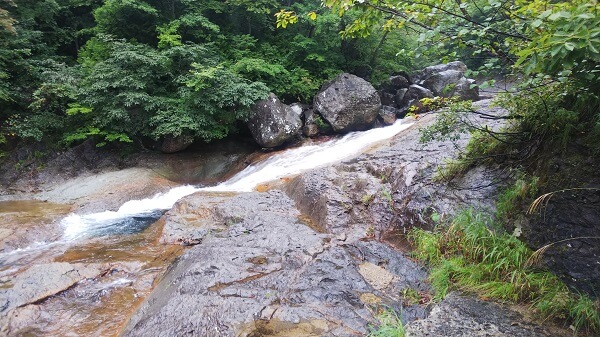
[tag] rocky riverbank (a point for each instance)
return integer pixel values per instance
(321, 254)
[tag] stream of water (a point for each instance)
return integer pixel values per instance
(135, 215)
(126, 242)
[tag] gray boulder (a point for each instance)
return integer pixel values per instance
(450, 83)
(274, 123)
(448, 80)
(399, 81)
(412, 97)
(417, 92)
(466, 90)
(443, 83)
(421, 76)
(348, 103)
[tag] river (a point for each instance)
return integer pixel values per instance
(122, 247)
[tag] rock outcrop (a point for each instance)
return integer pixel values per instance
(460, 315)
(401, 92)
(318, 259)
(266, 270)
(425, 73)
(42, 281)
(348, 103)
(274, 123)
(448, 80)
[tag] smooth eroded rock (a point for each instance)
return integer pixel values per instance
(42, 281)
(269, 271)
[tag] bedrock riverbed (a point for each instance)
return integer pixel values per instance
(321, 253)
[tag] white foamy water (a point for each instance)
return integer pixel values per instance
(285, 163)
(79, 225)
(297, 160)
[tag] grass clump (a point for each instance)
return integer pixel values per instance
(390, 325)
(474, 255)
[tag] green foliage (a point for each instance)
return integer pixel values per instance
(565, 42)
(71, 69)
(523, 191)
(390, 325)
(554, 112)
(128, 19)
(141, 91)
(91, 132)
(449, 124)
(427, 104)
(548, 42)
(214, 99)
(473, 255)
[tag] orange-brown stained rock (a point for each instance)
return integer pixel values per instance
(25, 221)
(100, 305)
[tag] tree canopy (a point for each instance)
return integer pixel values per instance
(124, 70)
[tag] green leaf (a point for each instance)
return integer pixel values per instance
(569, 46)
(586, 16)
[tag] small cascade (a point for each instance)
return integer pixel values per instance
(135, 215)
(131, 217)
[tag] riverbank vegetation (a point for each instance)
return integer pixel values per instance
(474, 254)
(143, 70)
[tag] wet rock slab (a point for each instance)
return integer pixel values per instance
(463, 316)
(191, 219)
(391, 188)
(42, 281)
(269, 274)
(20, 295)
(310, 262)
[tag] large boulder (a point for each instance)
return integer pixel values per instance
(399, 81)
(348, 103)
(274, 123)
(466, 89)
(450, 83)
(422, 75)
(448, 80)
(443, 83)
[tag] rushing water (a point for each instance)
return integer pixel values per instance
(127, 242)
(136, 215)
